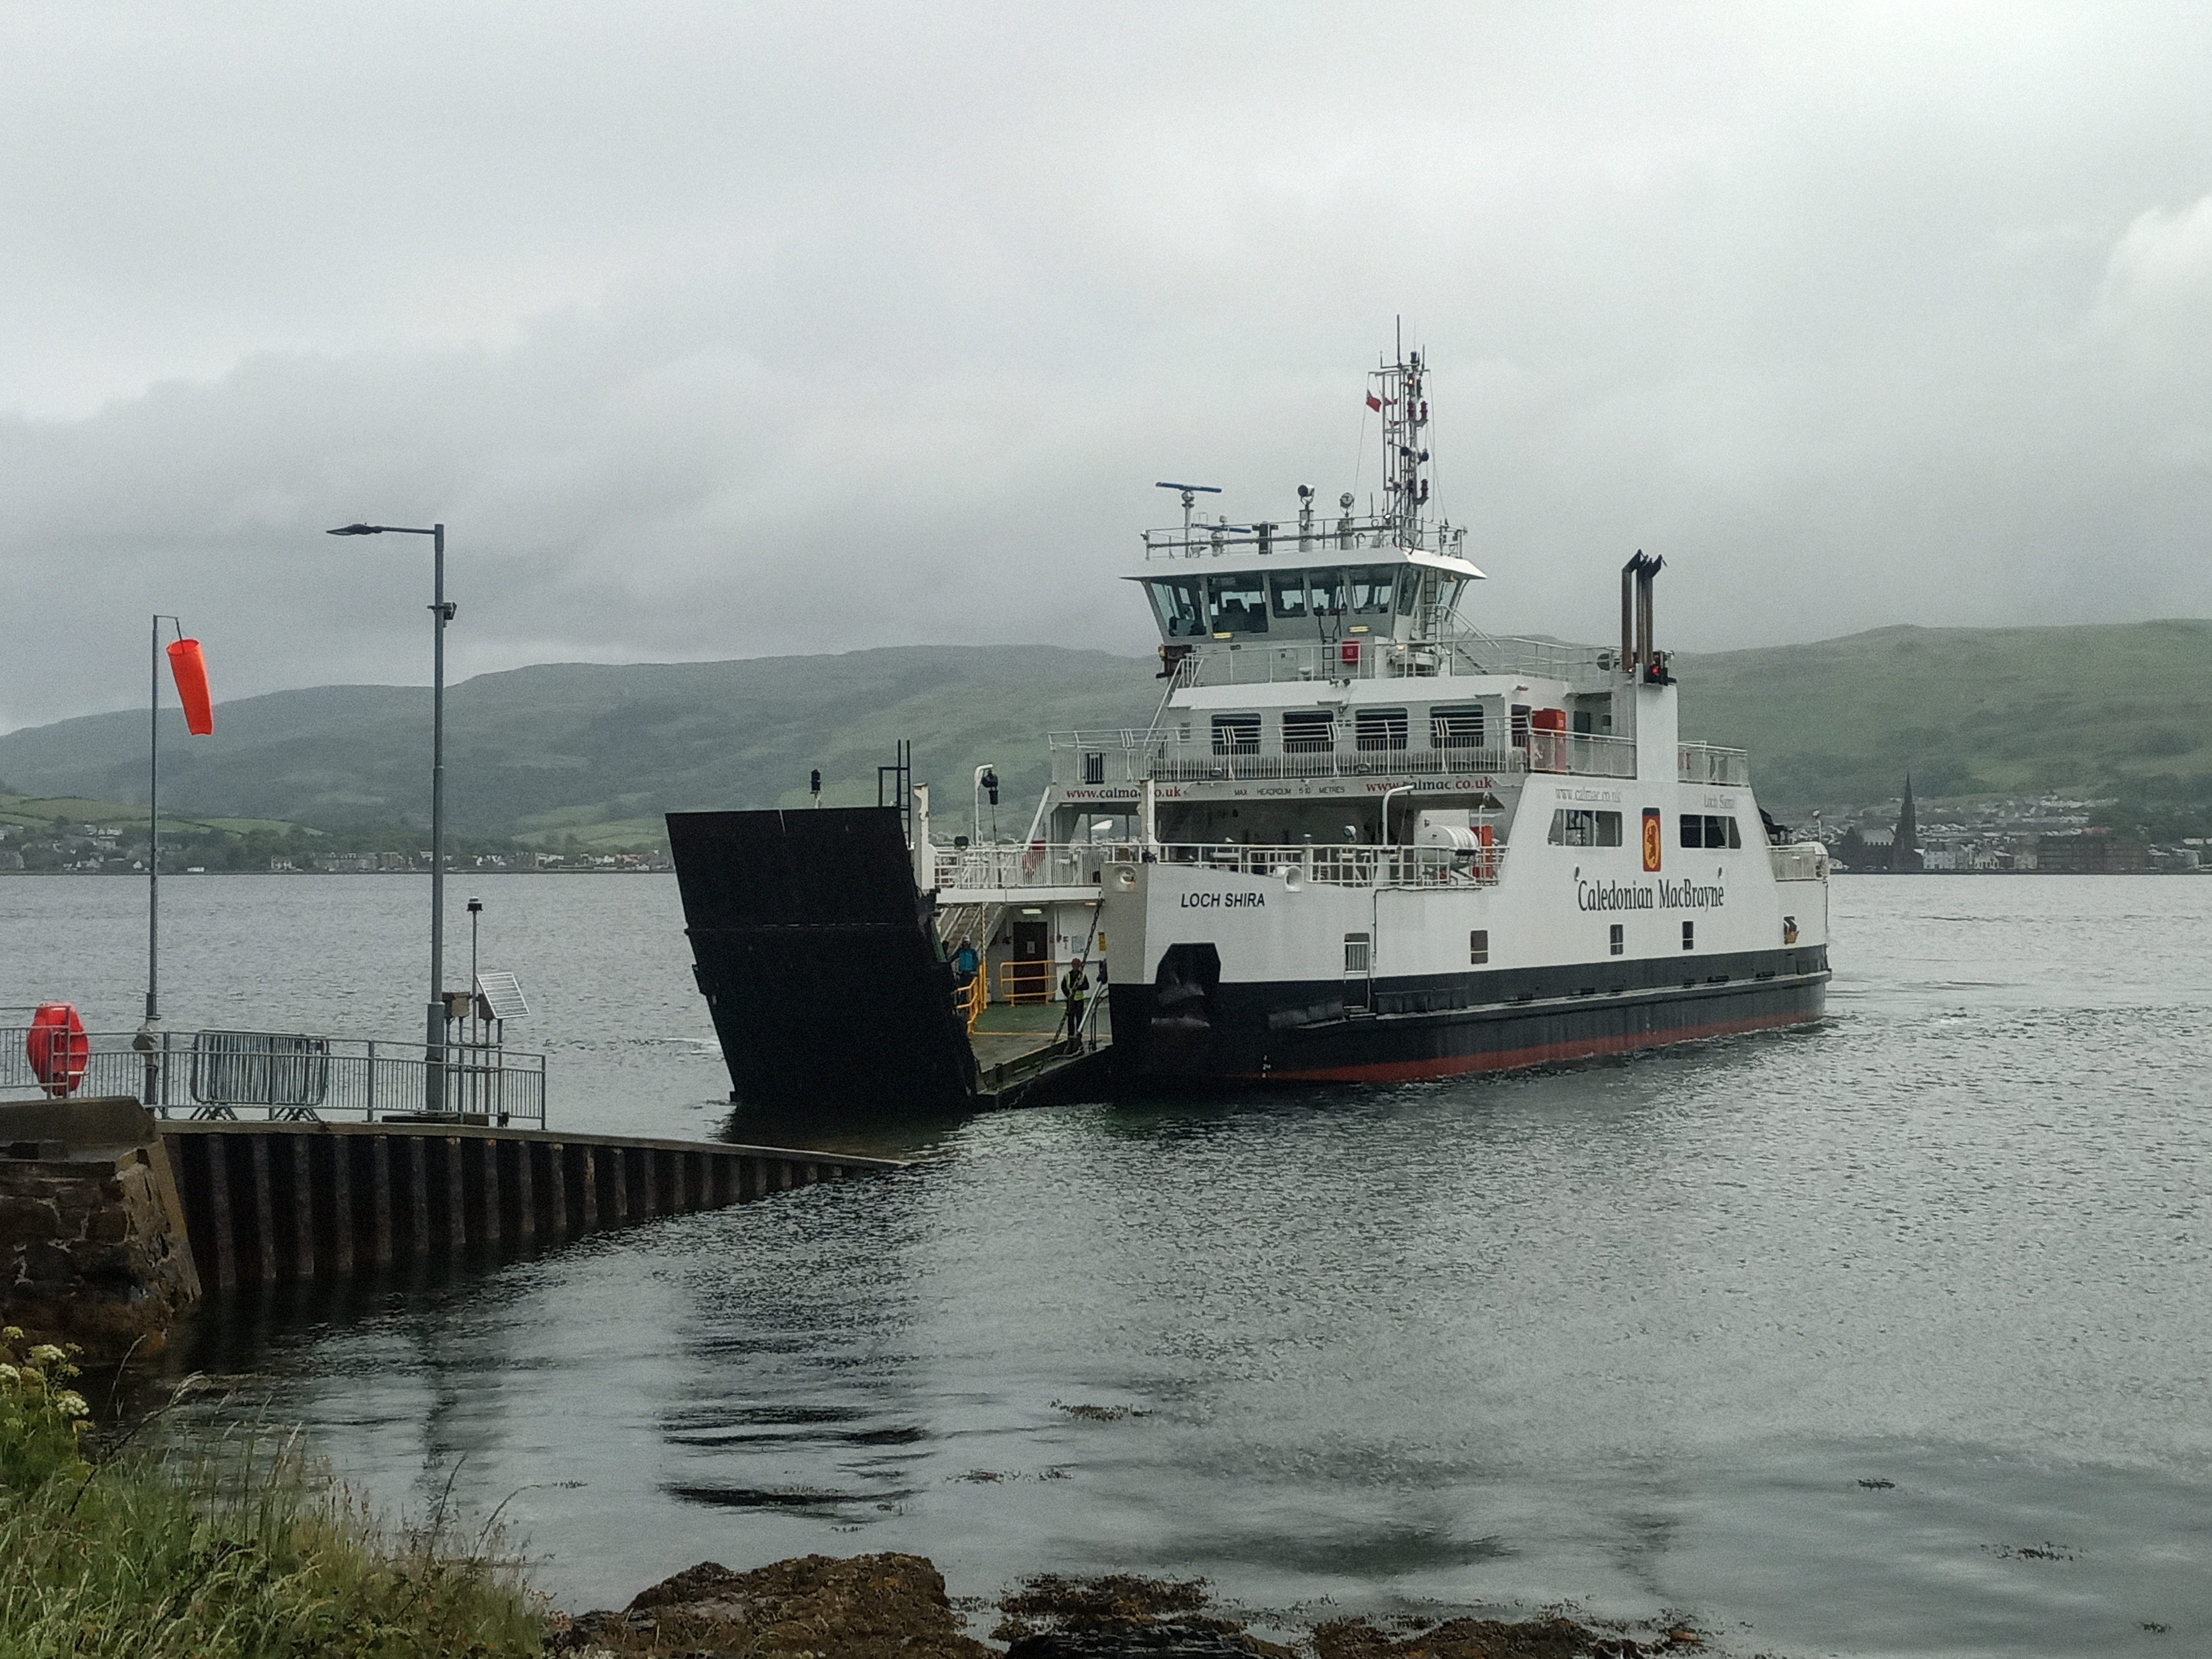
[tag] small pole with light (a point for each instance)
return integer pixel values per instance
(434, 1034)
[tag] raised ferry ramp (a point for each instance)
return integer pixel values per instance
(830, 991)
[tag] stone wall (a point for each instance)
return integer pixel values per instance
(93, 1246)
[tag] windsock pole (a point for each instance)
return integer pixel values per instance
(192, 693)
(149, 1040)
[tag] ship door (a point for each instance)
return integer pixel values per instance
(1029, 975)
(1358, 949)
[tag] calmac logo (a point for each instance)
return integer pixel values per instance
(1652, 839)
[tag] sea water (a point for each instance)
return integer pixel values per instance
(1885, 1336)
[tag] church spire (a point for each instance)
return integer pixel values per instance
(1904, 845)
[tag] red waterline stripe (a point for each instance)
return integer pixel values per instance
(1403, 1071)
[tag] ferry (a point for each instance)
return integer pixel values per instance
(1362, 840)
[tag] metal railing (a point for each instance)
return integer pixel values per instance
(290, 1075)
(1585, 753)
(1035, 864)
(1025, 981)
(1805, 860)
(1100, 758)
(1703, 762)
(1348, 867)
(1254, 661)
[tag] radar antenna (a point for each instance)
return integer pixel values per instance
(1190, 495)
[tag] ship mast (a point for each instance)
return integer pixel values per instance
(1400, 393)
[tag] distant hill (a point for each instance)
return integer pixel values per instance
(602, 751)
(2104, 709)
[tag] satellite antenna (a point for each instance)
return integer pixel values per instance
(1190, 495)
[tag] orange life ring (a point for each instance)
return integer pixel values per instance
(56, 1048)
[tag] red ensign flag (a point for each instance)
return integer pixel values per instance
(191, 669)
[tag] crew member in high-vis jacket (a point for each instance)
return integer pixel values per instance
(1075, 991)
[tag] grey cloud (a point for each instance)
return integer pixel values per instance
(718, 332)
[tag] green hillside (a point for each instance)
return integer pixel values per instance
(599, 752)
(2103, 710)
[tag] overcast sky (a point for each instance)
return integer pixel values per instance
(715, 330)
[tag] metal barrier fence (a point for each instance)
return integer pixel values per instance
(224, 1075)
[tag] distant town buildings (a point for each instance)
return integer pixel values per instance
(2050, 834)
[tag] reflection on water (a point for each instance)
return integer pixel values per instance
(1644, 1334)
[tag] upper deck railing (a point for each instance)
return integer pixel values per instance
(1315, 534)
(1367, 657)
(1084, 865)
(1703, 762)
(1098, 758)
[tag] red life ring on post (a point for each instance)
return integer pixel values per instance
(56, 1048)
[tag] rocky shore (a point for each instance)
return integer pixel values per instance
(867, 1607)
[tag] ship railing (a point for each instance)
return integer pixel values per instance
(1002, 866)
(1586, 753)
(1352, 534)
(1804, 860)
(1704, 762)
(280, 1075)
(1346, 866)
(1254, 661)
(1027, 980)
(1095, 758)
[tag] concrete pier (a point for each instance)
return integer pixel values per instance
(266, 1202)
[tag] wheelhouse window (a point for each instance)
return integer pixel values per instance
(1372, 585)
(1705, 829)
(1236, 734)
(1176, 602)
(1409, 589)
(1326, 591)
(1308, 730)
(1572, 826)
(1379, 728)
(1443, 592)
(1289, 589)
(1239, 604)
(1455, 728)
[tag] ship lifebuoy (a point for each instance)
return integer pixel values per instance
(56, 1048)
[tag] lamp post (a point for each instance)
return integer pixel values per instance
(441, 613)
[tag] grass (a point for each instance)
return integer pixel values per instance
(213, 1557)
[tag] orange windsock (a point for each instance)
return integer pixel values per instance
(191, 669)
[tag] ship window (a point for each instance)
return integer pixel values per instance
(1478, 946)
(1455, 728)
(1355, 953)
(1689, 936)
(1290, 590)
(1094, 767)
(1371, 587)
(1705, 830)
(1176, 603)
(1379, 728)
(1236, 734)
(1409, 586)
(1447, 594)
(1306, 730)
(1239, 604)
(1618, 942)
(1519, 722)
(1325, 588)
(1573, 826)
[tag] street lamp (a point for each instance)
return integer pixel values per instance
(433, 1038)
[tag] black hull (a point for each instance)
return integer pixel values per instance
(1446, 1024)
